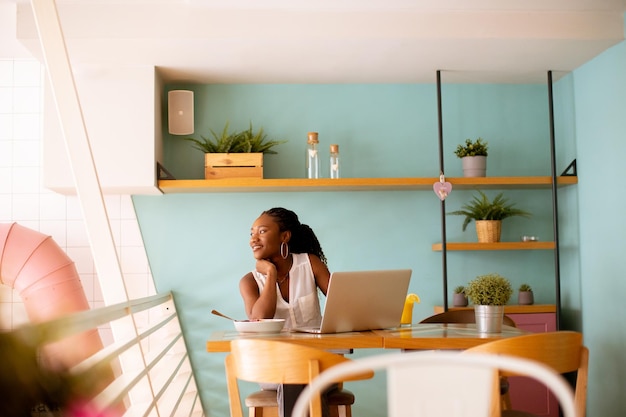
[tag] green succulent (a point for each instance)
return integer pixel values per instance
(525, 287)
(459, 289)
(480, 208)
(245, 141)
(491, 289)
(478, 148)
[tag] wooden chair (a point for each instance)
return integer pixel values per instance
(562, 350)
(461, 316)
(266, 361)
(442, 383)
(263, 403)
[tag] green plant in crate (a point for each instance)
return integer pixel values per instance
(245, 141)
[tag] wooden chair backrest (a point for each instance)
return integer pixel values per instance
(461, 316)
(266, 361)
(561, 350)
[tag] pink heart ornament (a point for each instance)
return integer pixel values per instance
(442, 189)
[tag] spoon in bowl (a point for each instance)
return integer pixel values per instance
(217, 313)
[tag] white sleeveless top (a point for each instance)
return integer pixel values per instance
(303, 308)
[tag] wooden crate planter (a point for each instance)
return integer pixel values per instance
(233, 165)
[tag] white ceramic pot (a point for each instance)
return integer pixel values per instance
(474, 166)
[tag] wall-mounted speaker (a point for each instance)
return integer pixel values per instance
(180, 112)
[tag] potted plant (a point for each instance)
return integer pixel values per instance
(488, 215)
(235, 154)
(525, 295)
(459, 299)
(473, 156)
(489, 293)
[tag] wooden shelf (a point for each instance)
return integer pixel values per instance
(247, 185)
(511, 308)
(495, 246)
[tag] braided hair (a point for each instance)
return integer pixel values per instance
(303, 239)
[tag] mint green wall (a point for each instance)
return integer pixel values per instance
(197, 244)
(600, 103)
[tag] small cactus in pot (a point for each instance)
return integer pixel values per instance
(525, 295)
(459, 299)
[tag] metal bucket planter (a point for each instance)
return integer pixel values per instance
(489, 318)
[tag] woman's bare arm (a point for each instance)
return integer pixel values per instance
(320, 272)
(259, 305)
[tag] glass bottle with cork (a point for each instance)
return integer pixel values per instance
(334, 161)
(312, 156)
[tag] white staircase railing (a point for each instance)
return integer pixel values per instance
(160, 382)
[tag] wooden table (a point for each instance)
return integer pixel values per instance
(441, 336)
(419, 336)
(220, 341)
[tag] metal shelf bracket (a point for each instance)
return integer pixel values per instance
(571, 167)
(162, 173)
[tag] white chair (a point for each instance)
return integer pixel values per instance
(434, 384)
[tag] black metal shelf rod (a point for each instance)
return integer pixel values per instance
(555, 205)
(444, 252)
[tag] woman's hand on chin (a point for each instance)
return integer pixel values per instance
(266, 268)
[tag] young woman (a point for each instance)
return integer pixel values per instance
(290, 267)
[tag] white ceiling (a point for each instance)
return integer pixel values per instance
(336, 41)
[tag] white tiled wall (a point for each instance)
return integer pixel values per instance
(25, 201)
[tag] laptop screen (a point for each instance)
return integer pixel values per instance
(364, 300)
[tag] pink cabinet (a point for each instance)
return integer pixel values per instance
(525, 393)
(535, 322)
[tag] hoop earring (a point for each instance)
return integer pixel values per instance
(284, 250)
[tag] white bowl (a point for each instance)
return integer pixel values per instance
(260, 326)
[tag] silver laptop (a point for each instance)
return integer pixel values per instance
(363, 300)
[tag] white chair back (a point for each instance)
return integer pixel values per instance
(434, 384)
